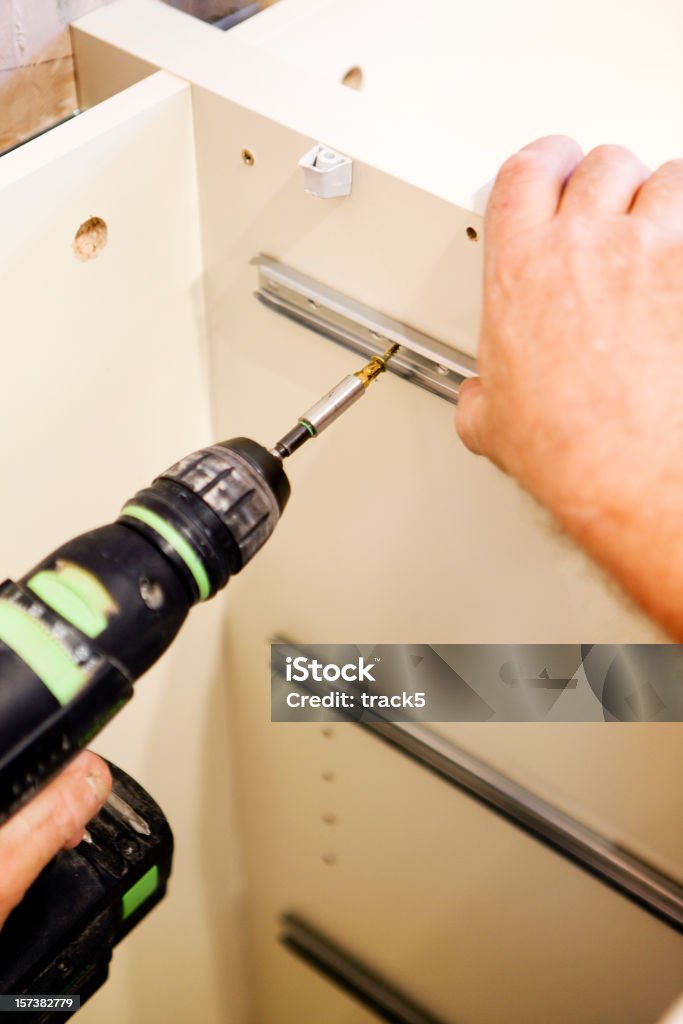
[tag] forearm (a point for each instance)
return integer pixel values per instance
(641, 546)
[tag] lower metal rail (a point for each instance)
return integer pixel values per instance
(351, 974)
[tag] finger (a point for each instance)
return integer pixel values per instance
(606, 181)
(661, 197)
(529, 185)
(469, 416)
(74, 841)
(31, 838)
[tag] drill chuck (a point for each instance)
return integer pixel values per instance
(212, 511)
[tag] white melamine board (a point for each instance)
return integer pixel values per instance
(292, 95)
(394, 533)
(449, 89)
(497, 73)
(103, 386)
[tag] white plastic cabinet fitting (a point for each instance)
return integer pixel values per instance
(326, 174)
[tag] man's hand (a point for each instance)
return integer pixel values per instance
(54, 820)
(581, 355)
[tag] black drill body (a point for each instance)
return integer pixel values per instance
(93, 616)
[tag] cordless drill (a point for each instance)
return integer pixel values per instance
(92, 617)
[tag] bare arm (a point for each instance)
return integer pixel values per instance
(581, 356)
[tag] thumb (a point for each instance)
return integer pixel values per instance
(470, 416)
(52, 820)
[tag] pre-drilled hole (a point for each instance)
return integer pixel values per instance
(330, 859)
(472, 234)
(90, 239)
(327, 732)
(248, 158)
(327, 776)
(353, 78)
(329, 818)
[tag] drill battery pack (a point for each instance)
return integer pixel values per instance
(59, 940)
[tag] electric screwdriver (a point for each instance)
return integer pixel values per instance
(92, 617)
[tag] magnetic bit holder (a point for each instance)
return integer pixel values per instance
(420, 358)
(333, 404)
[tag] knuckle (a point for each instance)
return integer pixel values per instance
(554, 145)
(538, 158)
(610, 155)
(672, 169)
(521, 166)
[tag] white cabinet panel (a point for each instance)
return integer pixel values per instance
(103, 385)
